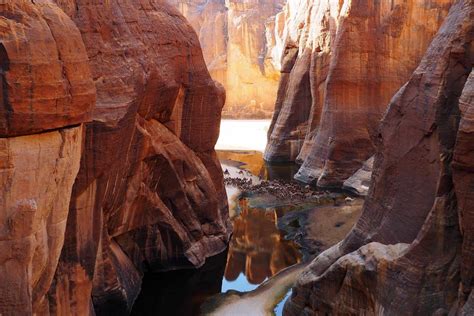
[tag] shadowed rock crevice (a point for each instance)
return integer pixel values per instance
(4, 67)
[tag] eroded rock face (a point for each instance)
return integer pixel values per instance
(37, 175)
(44, 71)
(463, 163)
(340, 69)
(238, 39)
(209, 20)
(46, 94)
(120, 164)
(411, 250)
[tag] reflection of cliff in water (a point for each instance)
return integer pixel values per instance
(258, 249)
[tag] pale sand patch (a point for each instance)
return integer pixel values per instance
(259, 302)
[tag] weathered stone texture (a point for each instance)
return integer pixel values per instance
(44, 70)
(340, 70)
(411, 250)
(238, 38)
(118, 164)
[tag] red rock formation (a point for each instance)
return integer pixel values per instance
(236, 39)
(463, 162)
(148, 194)
(44, 70)
(209, 20)
(340, 71)
(46, 89)
(412, 247)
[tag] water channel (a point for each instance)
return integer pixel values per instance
(278, 226)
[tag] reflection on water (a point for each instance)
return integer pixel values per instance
(253, 272)
(260, 266)
(257, 249)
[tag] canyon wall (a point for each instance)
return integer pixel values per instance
(237, 38)
(108, 121)
(342, 62)
(411, 251)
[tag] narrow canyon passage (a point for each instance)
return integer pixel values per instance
(236, 157)
(279, 225)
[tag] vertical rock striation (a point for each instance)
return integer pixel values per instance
(411, 250)
(463, 170)
(46, 94)
(209, 20)
(339, 72)
(238, 39)
(108, 121)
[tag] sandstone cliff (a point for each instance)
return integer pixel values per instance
(238, 38)
(342, 62)
(108, 120)
(411, 252)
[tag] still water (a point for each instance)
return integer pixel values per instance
(257, 251)
(255, 275)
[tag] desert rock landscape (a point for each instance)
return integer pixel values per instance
(110, 112)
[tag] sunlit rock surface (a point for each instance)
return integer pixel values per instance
(44, 70)
(342, 63)
(411, 250)
(37, 173)
(239, 40)
(46, 94)
(109, 119)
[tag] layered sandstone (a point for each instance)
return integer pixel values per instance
(343, 61)
(238, 39)
(116, 173)
(46, 94)
(411, 250)
(44, 72)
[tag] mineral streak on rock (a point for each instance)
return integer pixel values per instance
(239, 39)
(342, 62)
(107, 165)
(411, 250)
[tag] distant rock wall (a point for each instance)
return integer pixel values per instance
(108, 121)
(411, 251)
(342, 62)
(238, 38)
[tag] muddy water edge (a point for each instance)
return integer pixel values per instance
(278, 226)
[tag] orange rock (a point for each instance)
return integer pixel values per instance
(44, 70)
(237, 42)
(121, 88)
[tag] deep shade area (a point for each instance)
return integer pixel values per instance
(180, 292)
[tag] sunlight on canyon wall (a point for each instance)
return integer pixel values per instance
(239, 40)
